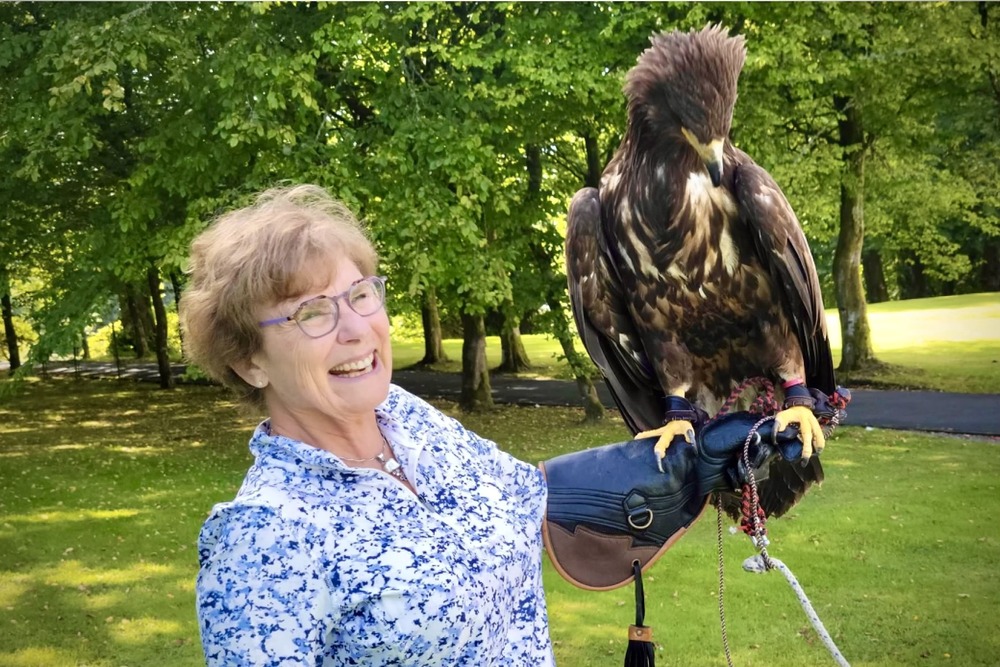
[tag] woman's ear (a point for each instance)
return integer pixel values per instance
(251, 373)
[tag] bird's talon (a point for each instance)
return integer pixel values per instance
(810, 433)
(665, 436)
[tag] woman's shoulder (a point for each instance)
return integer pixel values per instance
(404, 406)
(400, 400)
(249, 513)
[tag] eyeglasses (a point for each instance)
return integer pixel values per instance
(319, 316)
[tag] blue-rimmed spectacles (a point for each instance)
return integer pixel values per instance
(319, 316)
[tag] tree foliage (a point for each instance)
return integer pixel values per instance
(460, 130)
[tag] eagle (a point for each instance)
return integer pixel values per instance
(688, 270)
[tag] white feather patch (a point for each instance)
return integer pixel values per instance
(730, 258)
(625, 257)
(610, 182)
(702, 196)
(702, 200)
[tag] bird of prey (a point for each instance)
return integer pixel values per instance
(688, 270)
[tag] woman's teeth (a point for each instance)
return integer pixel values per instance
(354, 368)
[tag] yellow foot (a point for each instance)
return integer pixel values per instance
(810, 432)
(666, 435)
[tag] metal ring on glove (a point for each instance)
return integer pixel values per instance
(644, 526)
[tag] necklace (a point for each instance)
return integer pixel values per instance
(389, 465)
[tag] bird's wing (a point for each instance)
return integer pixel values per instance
(783, 249)
(602, 317)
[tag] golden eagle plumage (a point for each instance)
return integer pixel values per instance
(688, 270)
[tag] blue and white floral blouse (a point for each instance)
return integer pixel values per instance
(317, 563)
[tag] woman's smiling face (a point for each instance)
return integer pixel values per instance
(340, 376)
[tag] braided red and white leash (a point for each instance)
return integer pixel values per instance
(753, 524)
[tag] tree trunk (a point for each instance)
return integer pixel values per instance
(513, 358)
(991, 73)
(177, 284)
(913, 283)
(876, 290)
(433, 340)
(476, 395)
(10, 334)
(989, 280)
(556, 291)
(133, 321)
(84, 344)
(592, 406)
(594, 165)
(144, 303)
(855, 332)
(160, 325)
(989, 275)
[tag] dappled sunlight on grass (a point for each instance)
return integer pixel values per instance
(948, 343)
(14, 453)
(92, 423)
(918, 322)
(142, 630)
(107, 578)
(36, 656)
(74, 573)
(72, 515)
(101, 602)
(145, 451)
(11, 590)
(99, 515)
(12, 429)
(829, 461)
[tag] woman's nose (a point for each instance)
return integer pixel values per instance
(350, 325)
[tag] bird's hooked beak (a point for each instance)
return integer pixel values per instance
(710, 153)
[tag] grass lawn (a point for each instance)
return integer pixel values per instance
(104, 486)
(944, 343)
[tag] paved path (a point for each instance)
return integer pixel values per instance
(972, 414)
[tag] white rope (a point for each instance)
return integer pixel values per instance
(759, 564)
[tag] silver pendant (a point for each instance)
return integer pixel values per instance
(392, 467)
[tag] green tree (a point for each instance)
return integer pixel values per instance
(842, 104)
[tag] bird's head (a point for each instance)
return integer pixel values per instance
(684, 88)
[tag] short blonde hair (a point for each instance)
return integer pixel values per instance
(256, 257)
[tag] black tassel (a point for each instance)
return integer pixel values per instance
(640, 637)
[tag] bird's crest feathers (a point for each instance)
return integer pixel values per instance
(693, 74)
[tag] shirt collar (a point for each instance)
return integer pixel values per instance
(264, 444)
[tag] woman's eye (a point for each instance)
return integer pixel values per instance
(312, 313)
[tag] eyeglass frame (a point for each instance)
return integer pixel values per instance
(335, 300)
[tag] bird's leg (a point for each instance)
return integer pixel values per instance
(798, 409)
(680, 419)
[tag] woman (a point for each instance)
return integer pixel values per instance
(371, 529)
